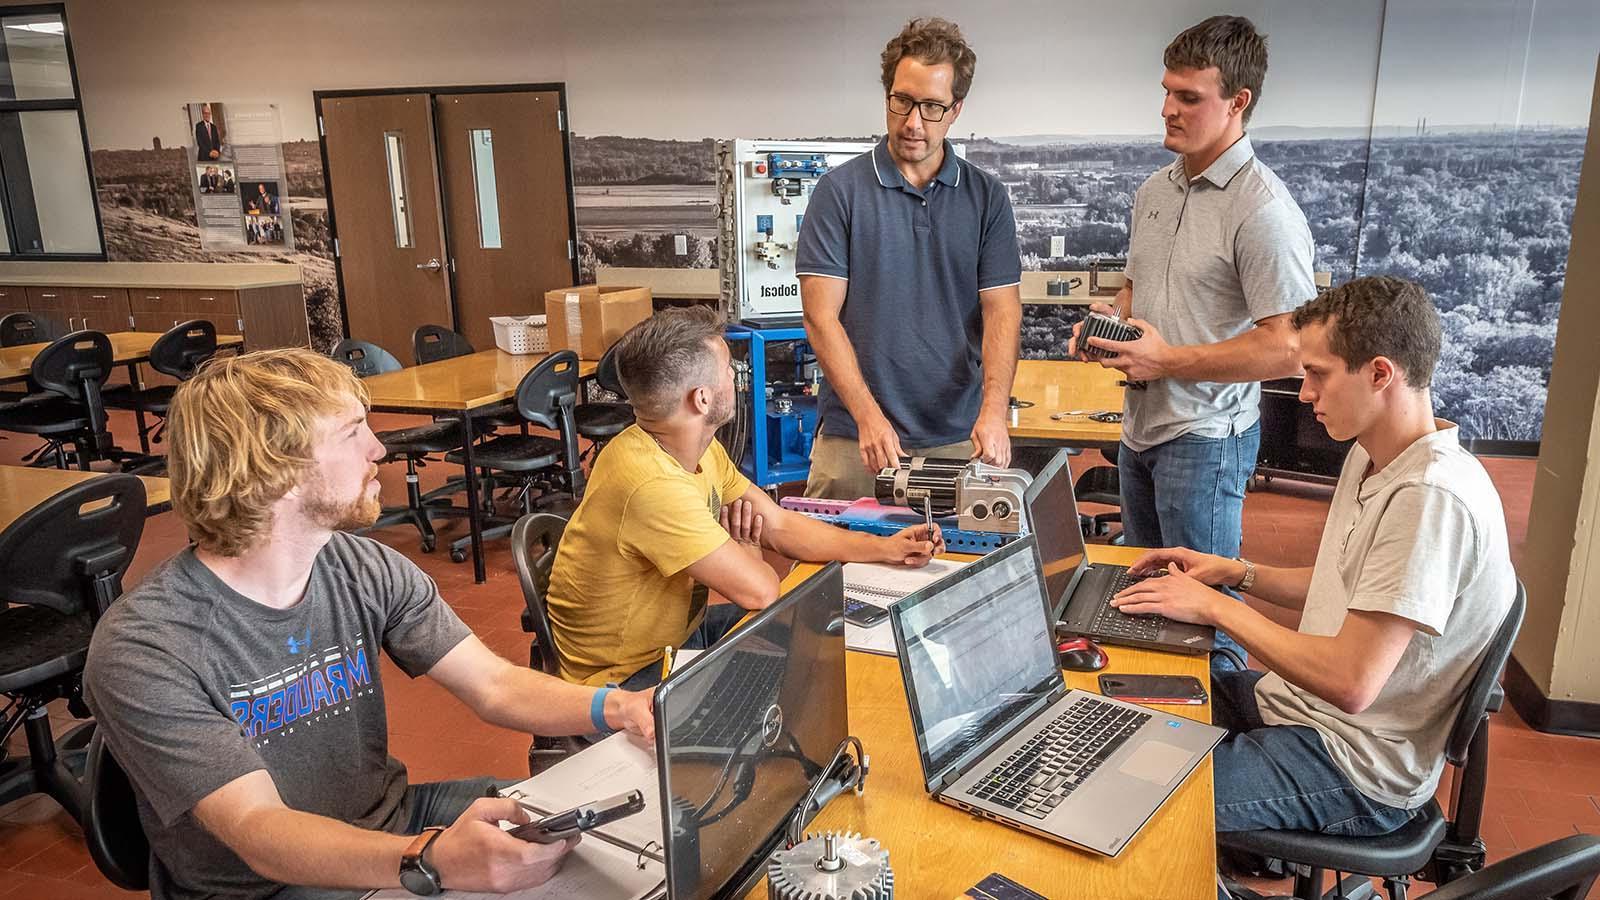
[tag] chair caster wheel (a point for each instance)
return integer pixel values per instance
(458, 556)
(428, 545)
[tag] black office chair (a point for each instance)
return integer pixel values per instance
(1438, 850)
(432, 343)
(599, 421)
(1101, 484)
(1564, 869)
(534, 542)
(73, 369)
(17, 329)
(111, 827)
(546, 397)
(410, 445)
(61, 564)
(179, 353)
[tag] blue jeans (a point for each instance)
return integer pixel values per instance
(718, 621)
(1280, 776)
(1189, 492)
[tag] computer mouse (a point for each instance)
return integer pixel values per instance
(1081, 655)
(836, 625)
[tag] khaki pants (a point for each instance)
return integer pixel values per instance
(837, 472)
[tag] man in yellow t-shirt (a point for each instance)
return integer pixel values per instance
(667, 515)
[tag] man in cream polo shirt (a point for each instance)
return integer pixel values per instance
(1346, 733)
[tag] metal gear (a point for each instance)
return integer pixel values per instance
(831, 866)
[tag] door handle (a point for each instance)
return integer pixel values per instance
(432, 265)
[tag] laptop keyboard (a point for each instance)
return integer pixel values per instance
(742, 690)
(1112, 623)
(1035, 778)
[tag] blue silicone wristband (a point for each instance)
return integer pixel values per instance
(597, 710)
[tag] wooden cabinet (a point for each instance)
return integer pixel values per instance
(13, 299)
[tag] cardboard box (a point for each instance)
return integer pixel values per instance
(588, 318)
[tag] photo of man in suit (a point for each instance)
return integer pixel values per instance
(210, 181)
(264, 202)
(207, 139)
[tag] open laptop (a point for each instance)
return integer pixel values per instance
(1000, 735)
(742, 732)
(1079, 593)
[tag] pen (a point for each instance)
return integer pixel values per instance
(666, 663)
(927, 515)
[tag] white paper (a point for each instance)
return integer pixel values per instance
(594, 870)
(616, 765)
(886, 585)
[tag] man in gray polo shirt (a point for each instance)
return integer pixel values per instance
(909, 276)
(1346, 733)
(1219, 255)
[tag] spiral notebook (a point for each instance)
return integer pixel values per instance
(885, 585)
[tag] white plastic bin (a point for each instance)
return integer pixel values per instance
(520, 334)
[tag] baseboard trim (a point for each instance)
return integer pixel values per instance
(1574, 717)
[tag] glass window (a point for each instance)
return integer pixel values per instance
(394, 153)
(60, 183)
(36, 53)
(484, 188)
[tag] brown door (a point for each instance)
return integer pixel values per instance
(385, 194)
(505, 178)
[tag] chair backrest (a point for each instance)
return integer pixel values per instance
(111, 825)
(69, 553)
(75, 366)
(547, 396)
(431, 343)
(20, 328)
(607, 375)
(181, 350)
(365, 358)
(1485, 682)
(534, 541)
(1564, 869)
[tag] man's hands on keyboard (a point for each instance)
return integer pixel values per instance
(1205, 568)
(1178, 597)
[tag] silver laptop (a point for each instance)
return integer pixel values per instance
(1000, 735)
(1079, 593)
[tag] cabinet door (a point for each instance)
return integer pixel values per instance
(220, 308)
(155, 300)
(56, 305)
(103, 309)
(13, 299)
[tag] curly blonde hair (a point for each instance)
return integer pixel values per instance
(240, 436)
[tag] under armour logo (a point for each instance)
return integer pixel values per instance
(1152, 215)
(296, 646)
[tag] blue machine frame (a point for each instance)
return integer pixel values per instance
(780, 442)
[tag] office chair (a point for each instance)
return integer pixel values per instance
(599, 421)
(1101, 484)
(432, 343)
(111, 827)
(1438, 850)
(62, 564)
(534, 542)
(178, 353)
(17, 329)
(410, 445)
(73, 369)
(1564, 869)
(546, 397)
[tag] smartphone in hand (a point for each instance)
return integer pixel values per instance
(587, 817)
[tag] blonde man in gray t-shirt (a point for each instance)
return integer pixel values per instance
(1219, 255)
(1346, 734)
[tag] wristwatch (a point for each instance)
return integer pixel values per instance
(417, 875)
(1249, 574)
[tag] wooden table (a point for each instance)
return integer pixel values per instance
(23, 488)
(461, 386)
(1055, 386)
(938, 851)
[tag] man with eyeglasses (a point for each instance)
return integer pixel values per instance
(909, 275)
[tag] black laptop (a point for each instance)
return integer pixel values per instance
(742, 732)
(1079, 592)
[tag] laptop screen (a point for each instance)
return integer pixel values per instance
(1053, 519)
(743, 730)
(976, 650)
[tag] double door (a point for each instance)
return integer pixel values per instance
(448, 206)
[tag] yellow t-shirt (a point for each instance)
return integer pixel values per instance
(618, 593)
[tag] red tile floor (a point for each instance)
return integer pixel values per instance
(1540, 786)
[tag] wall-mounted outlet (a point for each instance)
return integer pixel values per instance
(680, 244)
(1058, 245)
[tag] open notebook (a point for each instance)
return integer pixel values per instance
(619, 861)
(885, 585)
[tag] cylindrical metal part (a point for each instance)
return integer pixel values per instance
(920, 477)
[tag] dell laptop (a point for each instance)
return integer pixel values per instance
(999, 733)
(742, 732)
(1079, 592)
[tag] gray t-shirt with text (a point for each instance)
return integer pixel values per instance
(1209, 257)
(195, 685)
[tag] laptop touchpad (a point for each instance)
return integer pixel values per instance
(1155, 762)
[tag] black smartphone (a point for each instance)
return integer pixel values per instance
(562, 825)
(1175, 689)
(860, 612)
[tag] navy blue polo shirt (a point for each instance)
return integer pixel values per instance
(915, 262)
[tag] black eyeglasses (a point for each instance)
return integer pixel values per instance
(901, 105)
